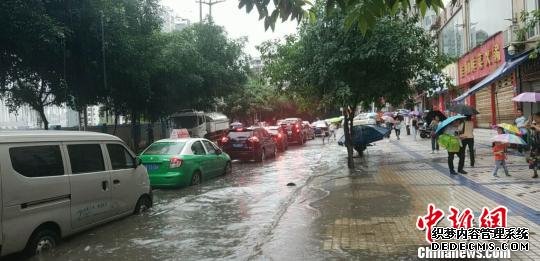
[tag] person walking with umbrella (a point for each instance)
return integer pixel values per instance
(534, 157)
(468, 138)
(499, 152)
(521, 123)
(449, 139)
(434, 140)
(467, 132)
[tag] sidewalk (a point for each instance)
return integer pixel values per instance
(371, 213)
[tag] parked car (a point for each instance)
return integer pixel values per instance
(365, 119)
(57, 183)
(279, 136)
(293, 128)
(249, 144)
(320, 128)
(308, 131)
(184, 162)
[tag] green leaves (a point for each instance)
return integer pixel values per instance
(361, 13)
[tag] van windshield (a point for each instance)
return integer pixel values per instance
(165, 148)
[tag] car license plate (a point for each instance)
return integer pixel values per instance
(151, 167)
(289, 132)
(238, 145)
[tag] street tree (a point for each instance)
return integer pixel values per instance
(344, 67)
(361, 14)
(31, 44)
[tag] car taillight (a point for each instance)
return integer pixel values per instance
(224, 139)
(175, 163)
(297, 130)
(298, 126)
(279, 135)
(254, 139)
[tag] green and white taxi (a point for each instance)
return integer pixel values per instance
(184, 162)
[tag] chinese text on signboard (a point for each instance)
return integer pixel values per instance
(482, 60)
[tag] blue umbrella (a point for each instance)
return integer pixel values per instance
(447, 122)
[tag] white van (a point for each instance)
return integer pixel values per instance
(56, 183)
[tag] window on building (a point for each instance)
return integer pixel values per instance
(451, 37)
(485, 24)
(85, 158)
(37, 161)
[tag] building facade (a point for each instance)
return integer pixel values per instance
(478, 33)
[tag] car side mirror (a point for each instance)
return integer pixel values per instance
(138, 162)
(219, 151)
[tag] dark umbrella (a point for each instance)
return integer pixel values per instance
(431, 115)
(366, 134)
(464, 109)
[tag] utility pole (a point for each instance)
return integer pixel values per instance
(210, 3)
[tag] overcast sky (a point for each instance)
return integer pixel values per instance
(236, 21)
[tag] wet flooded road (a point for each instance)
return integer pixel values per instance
(230, 217)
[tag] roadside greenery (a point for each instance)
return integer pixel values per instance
(112, 52)
(345, 68)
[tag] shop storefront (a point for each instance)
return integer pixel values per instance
(530, 82)
(488, 82)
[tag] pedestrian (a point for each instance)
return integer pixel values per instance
(452, 142)
(521, 122)
(390, 126)
(468, 138)
(534, 157)
(499, 152)
(332, 129)
(414, 123)
(397, 127)
(434, 139)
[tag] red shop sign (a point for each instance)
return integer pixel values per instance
(482, 60)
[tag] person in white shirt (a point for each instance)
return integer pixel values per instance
(521, 122)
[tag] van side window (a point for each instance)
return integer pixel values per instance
(85, 158)
(37, 161)
(120, 157)
(198, 148)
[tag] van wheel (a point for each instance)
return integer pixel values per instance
(196, 178)
(41, 241)
(143, 204)
(228, 168)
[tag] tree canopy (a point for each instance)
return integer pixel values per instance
(358, 13)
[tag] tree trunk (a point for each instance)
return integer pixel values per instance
(347, 128)
(115, 122)
(41, 112)
(85, 117)
(135, 131)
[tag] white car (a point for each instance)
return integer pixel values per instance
(365, 119)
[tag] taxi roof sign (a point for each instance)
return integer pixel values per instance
(179, 134)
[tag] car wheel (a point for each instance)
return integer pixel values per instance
(143, 204)
(196, 178)
(228, 168)
(41, 241)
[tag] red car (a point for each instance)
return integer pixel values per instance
(279, 136)
(253, 143)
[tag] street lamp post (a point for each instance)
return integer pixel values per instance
(210, 3)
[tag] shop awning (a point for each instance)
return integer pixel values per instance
(504, 69)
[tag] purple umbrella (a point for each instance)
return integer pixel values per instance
(415, 113)
(527, 97)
